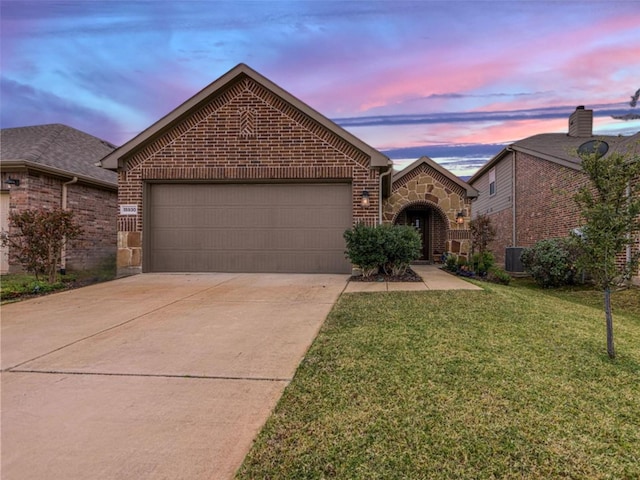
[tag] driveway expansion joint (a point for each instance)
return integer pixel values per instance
(151, 375)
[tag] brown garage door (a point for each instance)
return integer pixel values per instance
(247, 228)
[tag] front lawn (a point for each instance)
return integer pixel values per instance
(510, 382)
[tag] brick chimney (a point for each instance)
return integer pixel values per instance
(581, 122)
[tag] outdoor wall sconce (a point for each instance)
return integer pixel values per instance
(460, 218)
(364, 201)
(13, 181)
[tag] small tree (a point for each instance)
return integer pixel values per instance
(482, 233)
(610, 207)
(39, 237)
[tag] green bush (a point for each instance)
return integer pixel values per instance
(365, 248)
(481, 263)
(496, 274)
(552, 262)
(402, 245)
(451, 263)
(388, 247)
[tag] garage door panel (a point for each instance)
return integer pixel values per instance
(223, 239)
(241, 217)
(248, 228)
(289, 262)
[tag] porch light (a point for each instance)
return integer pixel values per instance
(13, 181)
(364, 201)
(460, 218)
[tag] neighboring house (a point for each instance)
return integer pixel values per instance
(245, 177)
(55, 166)
(527, 189)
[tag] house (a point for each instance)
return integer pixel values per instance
(244, 177)
(55, 166)
(527, 189)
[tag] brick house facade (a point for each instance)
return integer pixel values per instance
(245, 177)
(534, 182)
(244, 132)
(54, 167)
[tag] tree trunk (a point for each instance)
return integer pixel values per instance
(607, 312)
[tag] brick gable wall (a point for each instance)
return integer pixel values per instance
(246, 133)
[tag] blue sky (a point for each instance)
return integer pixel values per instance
(449, 79)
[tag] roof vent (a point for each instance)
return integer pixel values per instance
(597, 147)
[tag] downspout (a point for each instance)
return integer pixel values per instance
(63, 254)
(388, 172)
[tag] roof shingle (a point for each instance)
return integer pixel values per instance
(59, 147)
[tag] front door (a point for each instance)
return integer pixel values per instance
(421, 221)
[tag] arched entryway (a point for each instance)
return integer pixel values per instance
(432, 224)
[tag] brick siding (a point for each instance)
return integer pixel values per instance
(544, 195)
(94, 208)
(503, 223)
(245, 133)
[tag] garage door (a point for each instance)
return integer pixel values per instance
(247, 228)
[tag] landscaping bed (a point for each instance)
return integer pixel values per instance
(408, 276)
(19, 286)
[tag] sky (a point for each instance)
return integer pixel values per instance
(453, 80)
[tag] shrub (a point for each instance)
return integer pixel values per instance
(388, 247)
(496, 274)
(552, 262)
(451, 263)
(402, 245)
(365, 248)
(482, 262)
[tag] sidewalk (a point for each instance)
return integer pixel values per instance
(433, 278)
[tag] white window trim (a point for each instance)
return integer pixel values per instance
(492, 181)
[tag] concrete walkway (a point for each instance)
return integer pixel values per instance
(433, 278)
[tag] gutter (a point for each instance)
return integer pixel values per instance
(42, 168)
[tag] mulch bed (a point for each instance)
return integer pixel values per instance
(409, 276)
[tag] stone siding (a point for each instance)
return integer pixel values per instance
(426, 187)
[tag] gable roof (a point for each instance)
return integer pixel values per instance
(59, 150)
(558, 148)
(114, 160)
(430, 163)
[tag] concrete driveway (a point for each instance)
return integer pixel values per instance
(152, 376)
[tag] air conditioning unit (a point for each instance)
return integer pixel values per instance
(512, 261)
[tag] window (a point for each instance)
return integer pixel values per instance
(492, 182)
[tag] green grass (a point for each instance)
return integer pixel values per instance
(510, 383)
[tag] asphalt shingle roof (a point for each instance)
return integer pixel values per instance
(57, 146)
(563, 147)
